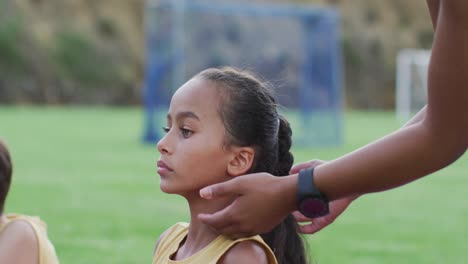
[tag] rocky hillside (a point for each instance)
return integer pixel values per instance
(71, 51)
(92, 51)
(373, 33)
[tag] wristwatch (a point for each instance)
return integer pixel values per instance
(310, 201)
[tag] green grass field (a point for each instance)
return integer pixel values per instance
(86, 173)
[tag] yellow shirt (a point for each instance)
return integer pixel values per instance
(169, 245)
(47, 253)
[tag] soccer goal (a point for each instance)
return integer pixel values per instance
(295, 48)
(411, 80)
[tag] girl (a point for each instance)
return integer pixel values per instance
(221, 124)
(23, 239)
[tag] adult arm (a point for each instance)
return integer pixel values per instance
(419, 117)
(427, 146)
(337, 207)
(408, 154)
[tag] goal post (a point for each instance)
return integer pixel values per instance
(295, 47)
(411, 82)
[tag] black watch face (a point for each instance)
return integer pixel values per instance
(313, 207)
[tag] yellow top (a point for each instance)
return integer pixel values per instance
(47, 253)
(210, 254)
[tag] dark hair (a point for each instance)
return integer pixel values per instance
(249, 113)
(6, 168)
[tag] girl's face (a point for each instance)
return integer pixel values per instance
(192, 151)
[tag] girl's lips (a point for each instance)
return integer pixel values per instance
(163, 166)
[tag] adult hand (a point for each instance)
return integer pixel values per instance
(309, 225)
(262, 202)
(305, 165)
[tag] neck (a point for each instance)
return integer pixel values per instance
(200, 234)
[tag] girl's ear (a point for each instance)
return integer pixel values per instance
(241, 161)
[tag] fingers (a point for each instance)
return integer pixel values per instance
(313, 227)
(300, 217)
(226, 222)
(305, 165)
(296, 168)
(219, 220)
(336, 209)
(234, 232)
(316, 225)
(256, 206)
(221, 189)
(223, 223)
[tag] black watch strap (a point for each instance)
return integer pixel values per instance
(305, 184)
(307, 192)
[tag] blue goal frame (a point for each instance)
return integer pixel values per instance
(322, 65)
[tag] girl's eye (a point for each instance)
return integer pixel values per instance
(186, 132)
(166, 129)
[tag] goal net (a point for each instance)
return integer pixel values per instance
(296, 48)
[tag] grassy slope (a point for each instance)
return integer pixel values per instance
(84, 171)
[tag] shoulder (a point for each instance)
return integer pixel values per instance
(159, 240)
(18, 234)
(245, 252)
(177, 228)
(19, 230)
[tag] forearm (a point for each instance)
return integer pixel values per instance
(434, 7)
(395, 160)
(448, 76)
(424, 146)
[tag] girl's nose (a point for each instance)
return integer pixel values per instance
(162, 145)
